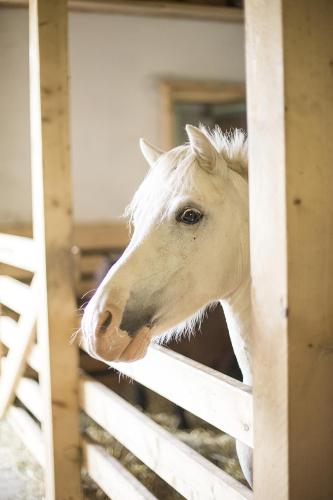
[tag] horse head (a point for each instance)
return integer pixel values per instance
(189, 246)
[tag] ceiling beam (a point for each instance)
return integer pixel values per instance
(149, 9)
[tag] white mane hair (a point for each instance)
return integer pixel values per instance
(172, 174)
(231, 145)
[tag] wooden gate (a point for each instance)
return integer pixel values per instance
(290, 104)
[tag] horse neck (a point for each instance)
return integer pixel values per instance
(237, 311)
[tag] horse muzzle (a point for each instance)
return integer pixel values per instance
(105, 340)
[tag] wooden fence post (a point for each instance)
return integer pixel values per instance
(52, 222)
(290, 111)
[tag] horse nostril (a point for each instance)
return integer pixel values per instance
(106, 322)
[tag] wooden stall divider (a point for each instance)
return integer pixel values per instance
(52, 230)
(290, 117)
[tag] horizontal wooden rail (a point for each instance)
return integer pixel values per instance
(87, 237)
(28, 392)
(15, 272)
(18, 251)
(14, 294)
(207, 393)
(8, 334)
(179, 465)
(111, 475)
(29, 432)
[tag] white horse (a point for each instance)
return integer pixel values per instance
(189, 249)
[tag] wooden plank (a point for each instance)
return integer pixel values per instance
(145, 8)
(17, 355)
(34, 358)
(29, 432)
(17, 251)
(52, 221)
(212, 396)
(290, 117)
(15, 272)
(15, 295)
(28, 392)
(184, 469)
(87, 236)
(213, 91)
(111, 475)
(17, 229)
(102, 236)
(9, 332)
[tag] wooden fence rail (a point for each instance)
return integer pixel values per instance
(18, 251)
(216, 398)
(232, 413)
(183, 468)
(14, 294)
(29, 431)
(111, 475)
(9, 330)
(28, 392)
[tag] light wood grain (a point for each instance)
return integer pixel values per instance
(86, 236)
(212, 91)
(188, 472)
(290, 118)
(15, 272)
(102, 236)
(28, 392)
(18, 352)
(9, 335)
(18, 251)
(29, 432)
(15, 295)
(52, 228)
(111, 475)
(8, 330)
(212, 396)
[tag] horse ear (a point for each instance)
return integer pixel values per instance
(150, 152)
(202, 148)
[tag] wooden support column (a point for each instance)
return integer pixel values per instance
(289, 49)
(52, 213)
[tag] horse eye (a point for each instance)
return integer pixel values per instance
(189, 216)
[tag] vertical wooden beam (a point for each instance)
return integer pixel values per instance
(290, 110)
(52, 221)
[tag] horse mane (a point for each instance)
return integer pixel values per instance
(231, 145)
